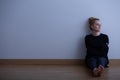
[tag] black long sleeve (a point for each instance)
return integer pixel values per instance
(97, 46)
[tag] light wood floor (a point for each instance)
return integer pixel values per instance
(55, 72)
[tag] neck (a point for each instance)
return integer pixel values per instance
(94, 33)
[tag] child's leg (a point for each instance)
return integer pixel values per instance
(102, 62)
(92, 63)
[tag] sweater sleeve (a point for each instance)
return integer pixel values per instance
(105, 47)
(107, 39)
(89, 47)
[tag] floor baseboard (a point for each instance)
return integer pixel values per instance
(41, 61)
(50, 61)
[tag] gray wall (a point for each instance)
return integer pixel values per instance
(54, 29)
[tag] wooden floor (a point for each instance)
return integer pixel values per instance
(55, 72)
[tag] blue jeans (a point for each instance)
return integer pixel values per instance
(94, 62)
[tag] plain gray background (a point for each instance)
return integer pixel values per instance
(55, 29)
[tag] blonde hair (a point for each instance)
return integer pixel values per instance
(91, 21)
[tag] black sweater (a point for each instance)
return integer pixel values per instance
(97, 46)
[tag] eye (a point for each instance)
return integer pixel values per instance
(97, 24)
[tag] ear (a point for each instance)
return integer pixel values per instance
(91, 26)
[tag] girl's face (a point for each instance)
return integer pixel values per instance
(96, 26)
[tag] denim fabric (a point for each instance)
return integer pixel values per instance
(94, 62)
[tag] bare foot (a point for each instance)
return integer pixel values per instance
(100, 70)
(95, 72)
